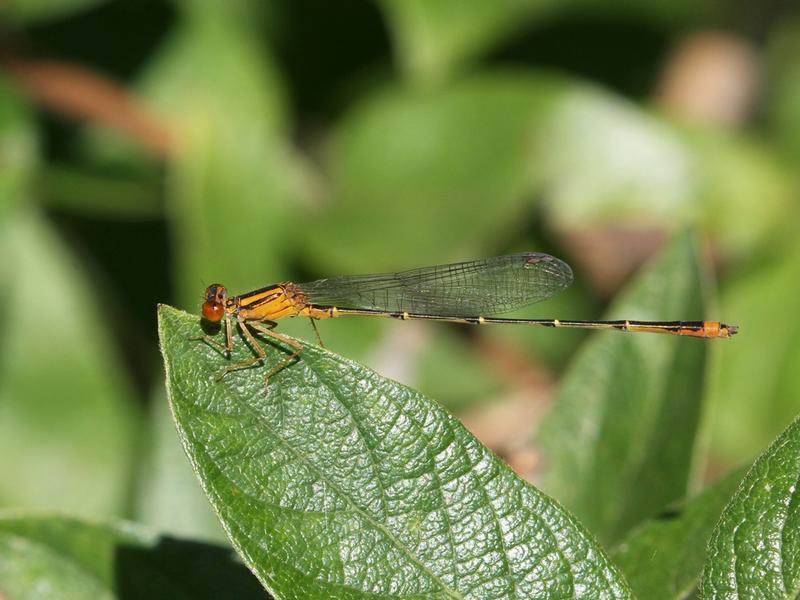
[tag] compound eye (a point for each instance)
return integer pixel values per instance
(213, 311)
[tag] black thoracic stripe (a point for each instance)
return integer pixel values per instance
(274, 286)
(263, 300)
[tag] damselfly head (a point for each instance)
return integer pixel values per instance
(214, 305)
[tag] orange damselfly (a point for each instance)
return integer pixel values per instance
(466, 292)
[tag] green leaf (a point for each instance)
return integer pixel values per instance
(618, 445)
(663, 559)
(44, 557)
(232, 177)
(66, 407)
(633, 168)
(96, 195)
(753, 552)
(445, 174)
(18, 149)
(455, 373)
(637, 169)
(730, 171)
(169, 497)
(32, 11)
(767, 367)
(433, 38)
(338, 483)
(783, 100)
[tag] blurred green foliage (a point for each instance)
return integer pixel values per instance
(308, 139)
(45, 557)
(619, 444)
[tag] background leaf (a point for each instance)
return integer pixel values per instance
(407, 158)
(728, 172)
(782, 103)
(169, 497)
(632, 164)
(82, 192)
(433, 39)
(767, 368)
(753, 552)
(231, 175)
(663, 558)
(395, 493)
(619, 442)
(72, 429)
(646, 168)
(227, 194)
(44, 557)
(19, 149)
(35, 10)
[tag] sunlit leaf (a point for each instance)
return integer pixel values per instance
(608, 161)
(459, 164)
(638, 170)
(730, 171)
(338, 483)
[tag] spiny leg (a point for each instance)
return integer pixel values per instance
(253, 343)
(298, 347)
(224, 349)
(211, 342)
(316, 331)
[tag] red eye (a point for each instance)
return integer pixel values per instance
(213, 311)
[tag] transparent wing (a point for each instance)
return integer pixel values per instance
(479, 287)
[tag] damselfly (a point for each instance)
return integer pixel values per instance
(466, 292)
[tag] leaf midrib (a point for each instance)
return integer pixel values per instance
(454, 429)
(367, 517)
(481, 486)
(435, 473)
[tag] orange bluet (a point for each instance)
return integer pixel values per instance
(466, 292)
